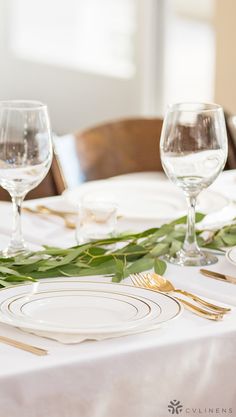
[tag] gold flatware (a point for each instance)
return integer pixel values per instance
(218, 275)
(47, 210)
(23, 346)
(143, 281)
(44, 210)
(166, 286)
(200, 311)
(68, 223)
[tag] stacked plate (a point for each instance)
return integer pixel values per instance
(72, 310)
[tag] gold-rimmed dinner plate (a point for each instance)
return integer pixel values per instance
(73, 310)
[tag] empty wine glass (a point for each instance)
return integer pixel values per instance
(193, 150)
(25, 157)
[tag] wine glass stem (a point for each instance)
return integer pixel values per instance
(17, 241)
(190, 242)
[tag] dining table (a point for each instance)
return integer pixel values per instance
(186, 367)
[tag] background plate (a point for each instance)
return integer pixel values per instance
(146, 199)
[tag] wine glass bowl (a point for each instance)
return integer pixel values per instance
(193, 150)
(25, 156)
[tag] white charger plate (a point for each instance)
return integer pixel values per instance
(145, 199)
(71, 310)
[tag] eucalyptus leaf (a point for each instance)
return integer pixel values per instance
(140, 265)
(5, 283)
(73, 254)
(160, 249)
(229, 239)
(19, 278)
(4, 270)
(160, 266)
(120, 271)
(176, 245)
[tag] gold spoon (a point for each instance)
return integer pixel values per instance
(141, 280)
(161, 284)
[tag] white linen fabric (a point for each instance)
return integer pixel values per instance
(192, 360)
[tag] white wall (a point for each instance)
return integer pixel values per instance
(75, 99)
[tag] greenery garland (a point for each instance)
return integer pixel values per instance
(116, 256)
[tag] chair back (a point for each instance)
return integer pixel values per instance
(119, 147)
(231, 132)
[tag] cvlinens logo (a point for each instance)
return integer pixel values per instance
(175, 407)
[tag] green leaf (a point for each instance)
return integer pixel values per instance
(100, 260)
(199, 217)
(176, 245)
(96, 251)
(175, 235)
(232, 230)
(107, 268)
(132, 252)
(5, 283)
(72, 254)
(148, 232)
(217, 243)
(82, 265)
(19, 278)
(28, 261)
(160, 266)
(182, 220)
(7, 271)
(140, 265)
(120, 271)
(229, 239)
(6, 260)
(159, 249)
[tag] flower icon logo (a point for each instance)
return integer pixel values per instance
(175, 407)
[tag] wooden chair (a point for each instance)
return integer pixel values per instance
(231, 132)
(131, 145)
(116, 148)
(53, 184)
(119, 147)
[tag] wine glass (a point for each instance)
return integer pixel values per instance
(193, 149)
(25, 157)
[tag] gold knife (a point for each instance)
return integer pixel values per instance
(218, 275)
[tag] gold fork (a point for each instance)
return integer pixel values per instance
(47, 210)
(143, 281)
(166, 286)
(69, 224)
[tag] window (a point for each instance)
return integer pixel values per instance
(89, 35)
(189, 51)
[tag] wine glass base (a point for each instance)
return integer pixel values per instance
(10, 252)
(199, 258)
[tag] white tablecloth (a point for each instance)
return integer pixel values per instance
(193, 360)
